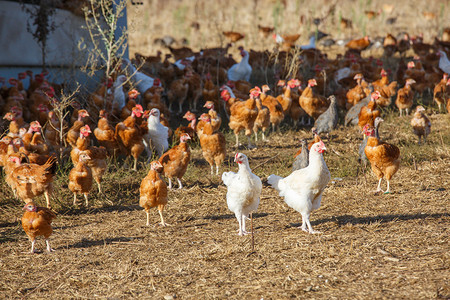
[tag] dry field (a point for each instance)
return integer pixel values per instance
(385, 246)
(392, 246)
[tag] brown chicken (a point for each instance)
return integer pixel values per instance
(359, 92)
(195, 87)
(405, 97)
(74, 131)
(216, 120)
(175, 161)
(153, 191)
(31, 180)
(189, 129)
(265, 31)
(369, 113)
(37, 143)
(242, 117)
(105, 133)
(358, 44)
(386, 89)
(213, 144)
(178, 92)
(262, 121)
(37, 221)
(384, 158)
(285, 99)
(421, 124)
(441, 91)
(275, 108)
(313, 104)
(16, 121)
(233, 36)
(80, 178)
(126, 110)
(210, 91)
(129, 136)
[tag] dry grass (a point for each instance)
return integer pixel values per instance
(385, 246)
(377, 247)
(175, 18)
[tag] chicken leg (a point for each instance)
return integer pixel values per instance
(32, 246)
(160, 209)
(170, 184)
(99, 186)
(387, 191)
(241, 220)
(379, 186)
(49, 249)
(86, 198)
(47, 198)
(307, 223)
(135, 164)
(74, 199)
(180, 185)
(217, 169)
(148, 218)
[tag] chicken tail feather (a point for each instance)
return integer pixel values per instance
(273, 180)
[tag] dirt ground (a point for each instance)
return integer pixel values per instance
(392, 246)
(371, 246)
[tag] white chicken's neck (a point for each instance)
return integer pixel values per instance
(244, 167)
(316, 161)
(153, 120)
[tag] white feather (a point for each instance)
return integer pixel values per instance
(244, 190)
(241, 70)
(302, 189)
(158, 133)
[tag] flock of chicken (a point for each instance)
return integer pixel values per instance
(129, 123)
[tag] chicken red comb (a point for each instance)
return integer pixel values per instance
(138, 106)
(133, 94)
(411, 65)
(12, 81)
(281, 83)
(224, 93)
(22, 75)
(375, 95)
(383, 72)
(156, 82)
(312, 82)
(294, 83)
(236, 156)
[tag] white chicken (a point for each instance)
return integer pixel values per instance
(241, 70)
(142, 81)
(302, 190)
(119, 95)
(244, 190)
(158, 133)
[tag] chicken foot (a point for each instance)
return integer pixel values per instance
(307, 223)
